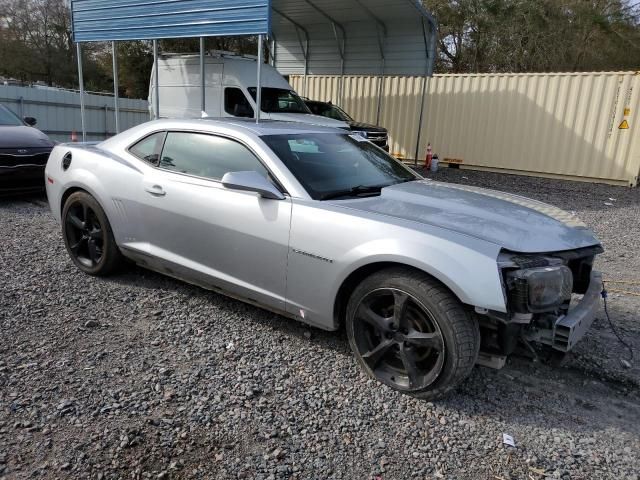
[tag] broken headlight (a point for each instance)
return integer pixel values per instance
(540, 289)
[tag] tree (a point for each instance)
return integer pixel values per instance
(36, 45)
(545, 35)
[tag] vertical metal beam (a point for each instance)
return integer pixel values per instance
(259, 81)
(306, 64)
(420, 120)
(304, 48)
(272, 50)
(381, 85)
(428, 71)
(156, 100)
(106, 121)
(81, 85)
(116, 97)
(202, 81)
(341, 50)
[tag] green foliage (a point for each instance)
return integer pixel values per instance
(475, 36)
(537, 36)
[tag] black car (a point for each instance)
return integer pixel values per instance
(376, 135)
(24, 151)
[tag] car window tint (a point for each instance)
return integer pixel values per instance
(148, 149)
(236, 103)
(328, 163)
(207, 155)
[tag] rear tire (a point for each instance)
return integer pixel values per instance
(88, 236)
(408, 331)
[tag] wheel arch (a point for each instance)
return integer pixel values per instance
(71, 189)
(359, 274)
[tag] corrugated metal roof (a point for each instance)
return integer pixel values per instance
(101, 20)
(380, 37)
(334, 37)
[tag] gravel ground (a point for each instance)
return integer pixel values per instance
(141, 376)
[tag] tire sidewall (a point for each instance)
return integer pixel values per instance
(108, 241)
(395, 281)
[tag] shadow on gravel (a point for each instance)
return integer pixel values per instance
(39, 199)
(165, 286)
(513, 395)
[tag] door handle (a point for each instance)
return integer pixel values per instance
(156, 190)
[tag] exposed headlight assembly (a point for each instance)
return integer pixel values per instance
(535, 290)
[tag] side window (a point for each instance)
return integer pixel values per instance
(148, 149)
(236, 103)
(207, 155)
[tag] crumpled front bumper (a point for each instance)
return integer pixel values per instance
(569, 329)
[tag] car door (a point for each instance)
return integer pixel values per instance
(205, 233)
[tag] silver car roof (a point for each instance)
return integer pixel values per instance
(265, 127)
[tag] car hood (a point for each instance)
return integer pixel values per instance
(366, 126)
(308, 118)
(515, 223)
(23, 137)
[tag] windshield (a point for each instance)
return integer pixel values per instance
(8, 118)
(328, 110)
(280, 100)
(334, 165)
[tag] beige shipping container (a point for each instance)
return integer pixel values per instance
(582, 126)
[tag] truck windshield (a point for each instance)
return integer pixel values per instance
(8, 118)
(335, 165)
(328, 110)
(280, 100)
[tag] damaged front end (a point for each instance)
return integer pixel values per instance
(552, 299)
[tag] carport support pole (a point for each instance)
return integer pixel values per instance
(156, 100)
(202, 86)
(81, 85)
(259, 81)
(424, 92)
(116, 98)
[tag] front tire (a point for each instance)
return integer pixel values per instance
(88, 236)
(411, 333)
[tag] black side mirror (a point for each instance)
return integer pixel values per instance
(30, 121)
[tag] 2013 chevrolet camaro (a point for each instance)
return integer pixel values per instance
(322, 226)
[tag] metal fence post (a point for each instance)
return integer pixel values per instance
(21, 106)
(81, 82)
(202, 79)
(116, 99)
(259, 81)
(106, 122)
(156, 100)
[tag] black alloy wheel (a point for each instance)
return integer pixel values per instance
(85, 234)
(88, 235)
(399, 339)
(410, 332)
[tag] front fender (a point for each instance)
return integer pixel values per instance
(328, 244)
(472, 275)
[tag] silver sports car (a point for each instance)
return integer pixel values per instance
(322, 226)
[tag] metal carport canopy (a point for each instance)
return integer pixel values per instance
(352, 37)
(384, 37)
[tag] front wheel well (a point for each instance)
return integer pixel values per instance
(357, 276)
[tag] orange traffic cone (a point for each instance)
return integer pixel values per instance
(428, 158)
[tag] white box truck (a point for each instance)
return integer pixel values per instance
(230, 90)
